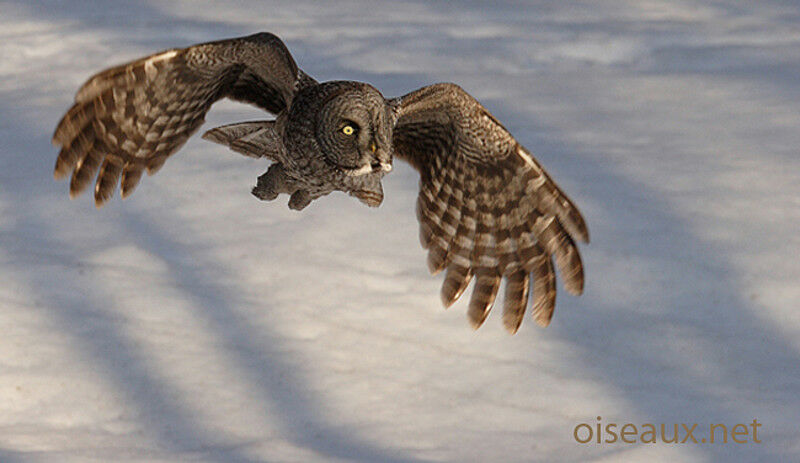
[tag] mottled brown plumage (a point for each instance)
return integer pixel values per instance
(488, 212)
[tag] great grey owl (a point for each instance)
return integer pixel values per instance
(486, 208)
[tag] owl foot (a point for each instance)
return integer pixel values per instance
(299, 200)
(272, 183)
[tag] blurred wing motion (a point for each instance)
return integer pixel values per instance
(486, 207)
(132, 117)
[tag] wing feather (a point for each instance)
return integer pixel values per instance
(516, 300)
(486, 207)
(487, 282)
(107, 179)
(138, 114)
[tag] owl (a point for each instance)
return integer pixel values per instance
(487, 209)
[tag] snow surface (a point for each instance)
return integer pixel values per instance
(192, 322)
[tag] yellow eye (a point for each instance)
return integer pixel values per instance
(348, 130)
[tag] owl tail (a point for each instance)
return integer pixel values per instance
(255, 139)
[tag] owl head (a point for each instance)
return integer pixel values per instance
(350, 124)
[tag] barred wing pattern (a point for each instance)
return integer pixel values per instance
(132, 117)
(486, 207)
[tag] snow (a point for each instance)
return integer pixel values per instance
(192, 322)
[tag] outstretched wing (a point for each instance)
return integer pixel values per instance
(132, 117)
(486, 207)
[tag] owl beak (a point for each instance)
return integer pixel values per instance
(369, 169)
(363, 170)
(382, 159)
(377, 161)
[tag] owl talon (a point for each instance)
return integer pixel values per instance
(263, 194)
(299, 200)
(272, 183)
